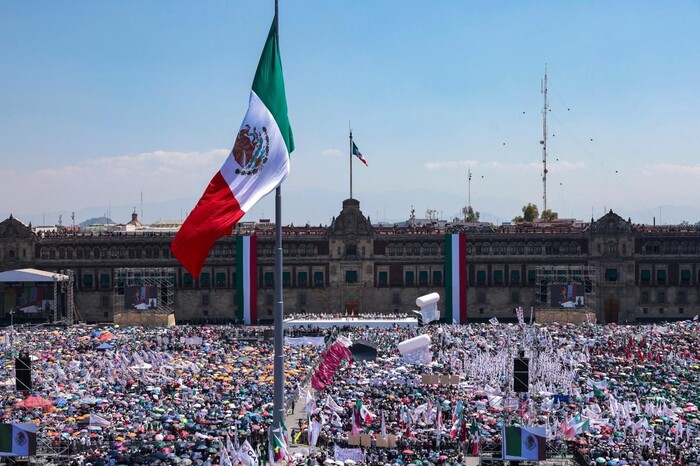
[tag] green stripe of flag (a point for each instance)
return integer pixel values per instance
(268, 84)
(448, 278)
(240, 292)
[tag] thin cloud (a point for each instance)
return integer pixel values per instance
(671, 169)
(160, 175)
(450, 165)
(332, 152)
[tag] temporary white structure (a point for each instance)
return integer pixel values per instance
(42, 276)
(31, 275)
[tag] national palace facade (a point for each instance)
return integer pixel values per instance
(641, 273)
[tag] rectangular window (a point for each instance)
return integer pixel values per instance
(104, 301)
(409, 278)
(187, 281)
(498, 277)
(396, 299)
(302, 299)
(423, 277)
(514, 297)
(269, 279)
(286, 279)
(681, 297)
(437, 277)
(220, 279)
(531, 277)
(383, 278)
(302, 279)
(481, 277)
(104, 281)
(481, 297)
(660, 296)
(205, 280)
(205, 300)
(661, 276)
(645, 276)
(318, 279)
(644, 297)
(351, 276)
(515, 277)
(611, 275)
(685, 277)
(87, 280)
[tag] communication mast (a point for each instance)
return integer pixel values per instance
(544, 139)
(469, 189)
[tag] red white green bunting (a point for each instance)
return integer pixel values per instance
(456, 278)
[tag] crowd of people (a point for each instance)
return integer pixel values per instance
(349, 316)
(146, 395)
(608, 394)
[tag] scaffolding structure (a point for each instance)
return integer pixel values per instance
(161, 278)
(67, 287)
(553, 277)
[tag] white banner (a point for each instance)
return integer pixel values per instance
(304, 341)
(355, 454)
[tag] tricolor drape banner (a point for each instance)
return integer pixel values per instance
(247, 279)
(456, 278)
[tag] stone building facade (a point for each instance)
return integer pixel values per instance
(642, 273)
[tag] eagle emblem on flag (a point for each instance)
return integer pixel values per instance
(21, 438)
(530, 443)
(251, 150)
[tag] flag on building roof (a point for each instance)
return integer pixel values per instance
(356, 152)
(257, 164)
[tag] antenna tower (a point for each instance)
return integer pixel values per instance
(469, 189)
(545, 109)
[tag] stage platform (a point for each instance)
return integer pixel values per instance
(343, 322)
(144, 319)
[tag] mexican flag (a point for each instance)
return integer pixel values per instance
(280, 450)
(18, 439)
(356, 152)
(363, 413)
(524, 443)
(247, 279)
(257, 164)
(456, 278)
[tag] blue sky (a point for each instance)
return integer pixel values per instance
(100, 101)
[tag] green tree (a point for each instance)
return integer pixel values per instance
(549, 215)
(470, 215)
(530, 213)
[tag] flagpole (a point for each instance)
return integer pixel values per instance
(350, 163)
(278, 371)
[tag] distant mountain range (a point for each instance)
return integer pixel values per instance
(96, 221)
(319, 207)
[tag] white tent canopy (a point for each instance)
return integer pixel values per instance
(31, 275)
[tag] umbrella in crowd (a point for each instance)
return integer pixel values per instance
(623, 394)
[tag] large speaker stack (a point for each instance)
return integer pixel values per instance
(23, 373)
(521, 374)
